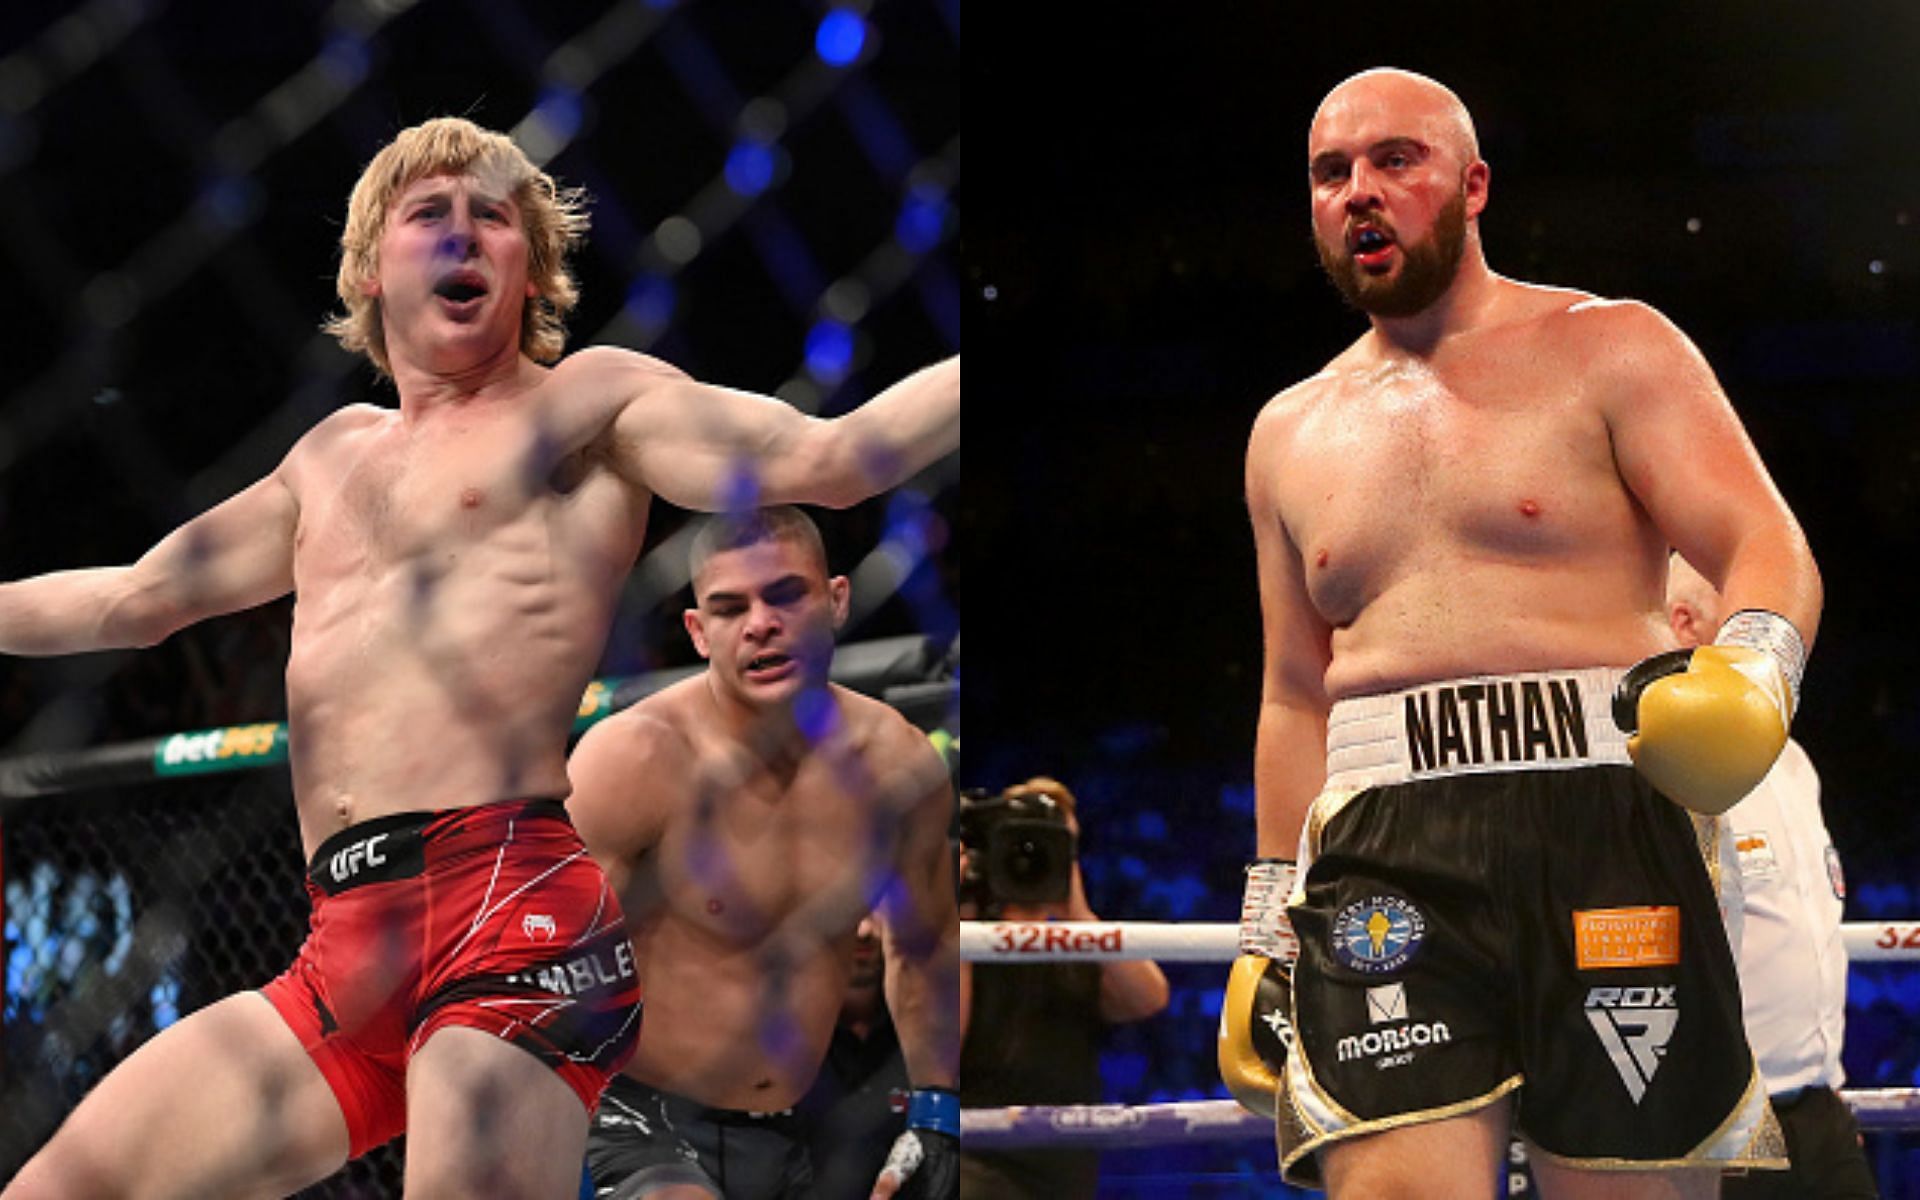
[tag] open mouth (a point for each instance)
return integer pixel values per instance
(1371, 246)
(462, 287)
(770, 665)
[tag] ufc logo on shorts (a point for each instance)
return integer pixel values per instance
(1633, 1024)
(346, 863)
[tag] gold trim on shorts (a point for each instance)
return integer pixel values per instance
(1309, 1174)
(1764, 1146)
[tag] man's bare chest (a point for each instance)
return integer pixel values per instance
(399, 498)
(746, 852)
(1402, 468)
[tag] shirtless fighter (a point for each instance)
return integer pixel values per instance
(1462, 526)
(455, 564)
(750, 818)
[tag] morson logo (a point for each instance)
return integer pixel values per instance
(1466, 724)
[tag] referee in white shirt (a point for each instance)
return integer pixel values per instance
(1793, 966)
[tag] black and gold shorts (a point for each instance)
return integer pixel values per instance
(1492, 902)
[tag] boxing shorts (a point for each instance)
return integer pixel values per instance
(492, 918)
(1492, 903)
(644, 1139)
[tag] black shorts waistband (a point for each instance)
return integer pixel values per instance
(394, 846)
(634, 1092)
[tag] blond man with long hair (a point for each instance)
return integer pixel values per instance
(455, 562)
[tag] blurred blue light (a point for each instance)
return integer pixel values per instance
(922, 220)
(650, 302)
(345, 58)
(559, 107)
(829, 350)
(908, 516)
(815, 714)
(231, 200)
(840, 38)
(741, 489)
(750, 168)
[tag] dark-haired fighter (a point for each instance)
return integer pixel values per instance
(750, 818)
(1462, 526)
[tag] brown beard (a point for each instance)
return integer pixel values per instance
(1424, 277)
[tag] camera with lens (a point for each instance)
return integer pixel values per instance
(1019, 849)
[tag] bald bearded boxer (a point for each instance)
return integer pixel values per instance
(1471, 751)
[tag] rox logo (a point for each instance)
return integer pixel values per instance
(347, 862)
(1634, 1025)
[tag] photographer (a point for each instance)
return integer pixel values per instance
(1031, 1034)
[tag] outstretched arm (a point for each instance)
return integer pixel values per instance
(233, 556)
(710, 448)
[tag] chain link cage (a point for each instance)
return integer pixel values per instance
(129, 907)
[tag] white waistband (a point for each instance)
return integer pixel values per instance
(1543, 720)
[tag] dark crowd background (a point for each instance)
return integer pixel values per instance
(775, 196)
(1140, 279)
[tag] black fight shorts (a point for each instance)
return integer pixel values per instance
(1493, 902)
(643, 1139)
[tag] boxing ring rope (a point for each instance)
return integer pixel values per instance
(1122, 1126)
(904, 671)
(1171, 941)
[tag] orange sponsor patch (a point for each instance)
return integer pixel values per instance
(1626, 937)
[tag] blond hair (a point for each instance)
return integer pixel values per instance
(553, 218)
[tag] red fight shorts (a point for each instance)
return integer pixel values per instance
(492, 918)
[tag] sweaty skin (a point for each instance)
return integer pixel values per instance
(455, 564)
(456, 560)
(1487, 480)
(1489, 483)
(744, 893)
(1464, 511)
(749, 819)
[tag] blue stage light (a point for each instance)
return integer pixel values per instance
(750, 168)
(650, 302)
(922, 220)
(829, 350)
(559, 108)
(840, 37)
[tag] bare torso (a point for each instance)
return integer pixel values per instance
(743, 913)
(1461, 513)
(454, 575)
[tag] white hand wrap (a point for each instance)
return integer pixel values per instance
(1773, 635)
(1264, 928)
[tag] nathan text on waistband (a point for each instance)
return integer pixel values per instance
(1499, 721)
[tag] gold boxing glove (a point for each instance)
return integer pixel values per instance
(1256, 1015)
(1707, 724)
